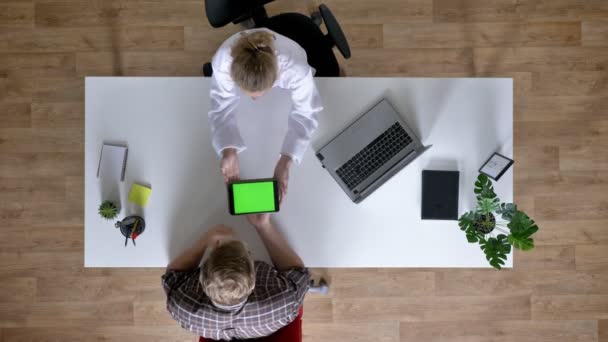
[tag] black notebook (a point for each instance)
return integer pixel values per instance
(440, 195)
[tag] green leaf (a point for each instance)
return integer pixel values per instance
(484, 188)
(524, 244)
(506, 210)
(487, 205)
(467, 224)
(522, 228)
(496, 250)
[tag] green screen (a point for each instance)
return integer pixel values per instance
(253, 197)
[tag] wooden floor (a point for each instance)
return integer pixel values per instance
(556, 51)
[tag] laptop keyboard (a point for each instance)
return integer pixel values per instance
(373, 156)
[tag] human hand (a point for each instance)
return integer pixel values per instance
(217, 234)
(281, 173)
(230, 165)
(259, 220)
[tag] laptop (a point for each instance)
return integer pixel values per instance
(370, 151)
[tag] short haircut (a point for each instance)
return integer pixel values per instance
(254, 63)
(228, 275)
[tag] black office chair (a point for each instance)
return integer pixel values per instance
(300, 28)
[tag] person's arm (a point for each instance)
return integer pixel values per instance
(302, 121)
(282, 255)
(224, 101)
(191, 257)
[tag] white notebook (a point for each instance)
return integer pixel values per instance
(112, 162)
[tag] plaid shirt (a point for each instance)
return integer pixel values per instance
(274, 303)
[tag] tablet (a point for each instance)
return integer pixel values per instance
(253, 196)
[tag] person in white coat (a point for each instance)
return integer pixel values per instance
(250, 63)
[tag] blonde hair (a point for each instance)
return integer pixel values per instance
(228, 275)
(254, 64)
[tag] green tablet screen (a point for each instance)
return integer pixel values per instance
(253, 197)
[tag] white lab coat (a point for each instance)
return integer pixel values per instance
(295, 75)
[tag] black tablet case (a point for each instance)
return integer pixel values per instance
(440, 195)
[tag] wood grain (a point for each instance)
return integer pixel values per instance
(573, 307)
(85, 39)
(457, 35)
(381, 331)
(556, 51)
(500, 331)
(589, 257)
(17, 14)
(546, 258)
(432, 308)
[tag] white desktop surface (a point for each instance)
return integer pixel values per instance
(164, 123)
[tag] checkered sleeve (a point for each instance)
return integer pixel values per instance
(298, 279)
(173, 279)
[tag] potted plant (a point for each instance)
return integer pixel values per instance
(496, 226)
(108, 210)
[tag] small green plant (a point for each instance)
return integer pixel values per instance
(108, 210)
(514, 226)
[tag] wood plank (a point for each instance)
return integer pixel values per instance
(177, 63)
(41, 239)
(109, 333)
(557, 183)
(594, 33)
(205, 38)
(59, 115)
(587, 83)
(390, 11)
(603, 330)
(500, 331)
(40, 264)
(572, 307)
(41, 189)
(17, 290)
(317, 308)
(566, 9)
(16, 14)
(410, 62)
(571, 232)
(40, 140)
(531, 158)
(16, 89)
(561, 133)
(593, 206)
(15, 115)
(592, 257)
(41, 164)
(561, 108)
(582, 158)
(459, 35)
(84, 39)
(545, 258)
(382, 331)
(477, 11)
(59, 89)
(432, 308)
(37, 65)
(65, 314)
(151, 312)
(42, 214)
(540, 59)
(521, 282)
(99, 289)
(387, 283)
(73, 13)
(366, 36)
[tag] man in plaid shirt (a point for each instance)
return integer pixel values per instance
(231, 296)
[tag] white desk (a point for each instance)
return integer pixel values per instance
(164, 123)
